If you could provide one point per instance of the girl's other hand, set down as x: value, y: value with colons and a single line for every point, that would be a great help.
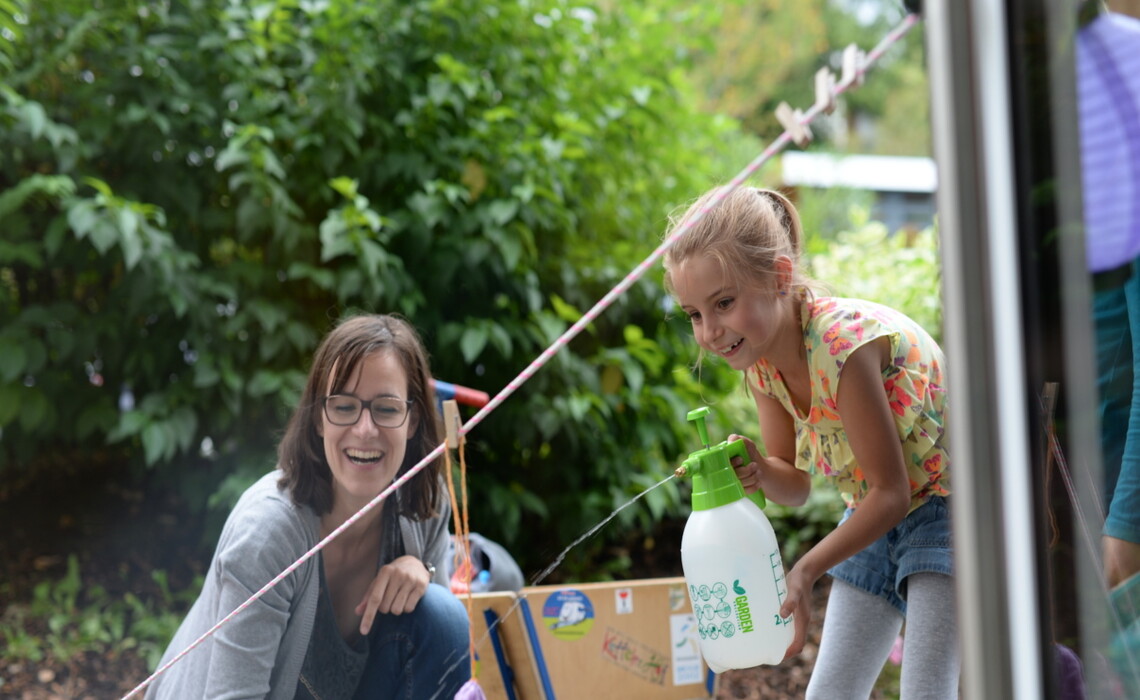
x: 798, y: 603
x: 395, y: 590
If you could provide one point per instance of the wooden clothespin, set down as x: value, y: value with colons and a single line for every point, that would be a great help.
x: 853, y: 59
x: 825, y: 90
x: 792, y: 121
x: 451, y: 423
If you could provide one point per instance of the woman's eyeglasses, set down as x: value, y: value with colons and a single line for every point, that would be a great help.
x: 387, y: 412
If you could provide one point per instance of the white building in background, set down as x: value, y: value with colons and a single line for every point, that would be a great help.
x: 904, y: 186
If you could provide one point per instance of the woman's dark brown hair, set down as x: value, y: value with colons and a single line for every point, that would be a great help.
x: 301, y: 453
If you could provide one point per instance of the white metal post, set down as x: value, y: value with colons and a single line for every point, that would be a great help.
x: 990, y: 452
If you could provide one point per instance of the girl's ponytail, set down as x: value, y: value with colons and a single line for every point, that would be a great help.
x: 789, y: 221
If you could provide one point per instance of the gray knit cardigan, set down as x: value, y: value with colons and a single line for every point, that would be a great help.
x: 258, y: 653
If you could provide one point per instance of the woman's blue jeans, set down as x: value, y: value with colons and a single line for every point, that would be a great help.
x: 419, y: 655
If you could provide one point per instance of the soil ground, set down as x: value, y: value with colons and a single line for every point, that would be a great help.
x: 121, y: 535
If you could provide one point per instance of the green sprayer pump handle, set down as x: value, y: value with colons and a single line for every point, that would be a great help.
x: 698, y: 415
x: 736, y: 448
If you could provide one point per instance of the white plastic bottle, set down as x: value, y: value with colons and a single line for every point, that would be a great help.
x: 732, y: 563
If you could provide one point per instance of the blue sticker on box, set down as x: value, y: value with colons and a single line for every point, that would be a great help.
x: 568, y: 614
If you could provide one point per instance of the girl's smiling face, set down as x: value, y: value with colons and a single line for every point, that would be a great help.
x: 363, y: 457
x: 740, y: 324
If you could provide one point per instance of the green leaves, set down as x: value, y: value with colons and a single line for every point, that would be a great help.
x: 49, y: 187
x: 109, y: 221
x: 11, y: 30
x: 899, y: 270
x: 192, y: 195
x: 162, y: 436
x: 69, y: 617
x: 352, y: 229
x: 13, y: 359
x: 9, y: 402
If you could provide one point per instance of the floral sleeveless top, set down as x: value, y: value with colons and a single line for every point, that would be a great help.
x: 833, y: 329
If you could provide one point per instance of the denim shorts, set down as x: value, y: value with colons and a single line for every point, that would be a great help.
x: 920, y: 543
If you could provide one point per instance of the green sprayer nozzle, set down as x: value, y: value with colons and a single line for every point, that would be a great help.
x: 714, y: 480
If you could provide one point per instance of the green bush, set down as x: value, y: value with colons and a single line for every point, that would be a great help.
x: 192, y: 193
x: 900, y: 270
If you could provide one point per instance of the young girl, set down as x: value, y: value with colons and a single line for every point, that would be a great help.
x: 851, y: 390
x: 371, y: 615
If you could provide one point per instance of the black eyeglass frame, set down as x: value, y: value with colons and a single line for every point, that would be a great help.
x: 366, y: 406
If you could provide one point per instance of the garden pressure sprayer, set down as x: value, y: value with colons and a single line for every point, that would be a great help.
x: 731, y: 561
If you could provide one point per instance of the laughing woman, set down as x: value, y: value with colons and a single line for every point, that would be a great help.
x: 370, y: 616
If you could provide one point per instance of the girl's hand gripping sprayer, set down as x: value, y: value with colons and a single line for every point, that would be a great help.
x: 731, y: 562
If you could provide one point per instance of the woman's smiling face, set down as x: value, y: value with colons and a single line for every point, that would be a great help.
x: 737, y: 323
x: 363, y: 457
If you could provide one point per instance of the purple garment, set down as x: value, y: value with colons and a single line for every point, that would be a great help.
x: 471, y: 690
x: 1108, y: 100
x: 1070, y: 677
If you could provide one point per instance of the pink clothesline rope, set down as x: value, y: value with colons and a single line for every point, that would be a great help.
x: 639, y: 271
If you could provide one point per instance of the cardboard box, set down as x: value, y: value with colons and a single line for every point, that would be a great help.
x: 627, y: 639
x: 505, y: 665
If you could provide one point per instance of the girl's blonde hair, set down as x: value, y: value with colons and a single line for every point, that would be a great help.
x: 744, y: 233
